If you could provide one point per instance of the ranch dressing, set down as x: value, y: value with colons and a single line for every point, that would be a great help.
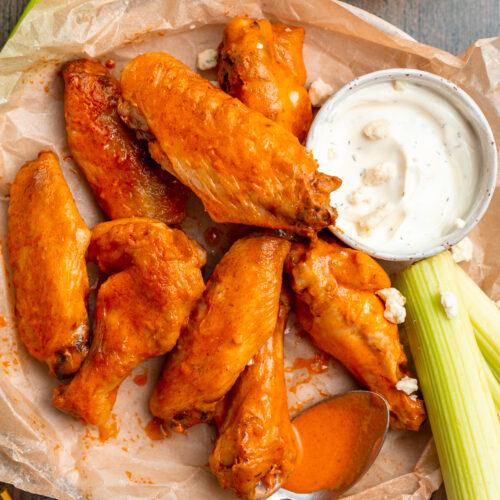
x: 408, y: 161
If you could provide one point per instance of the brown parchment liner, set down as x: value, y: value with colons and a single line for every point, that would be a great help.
x: 47, y: 452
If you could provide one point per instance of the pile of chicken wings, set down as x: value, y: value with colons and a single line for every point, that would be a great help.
x: 145, y: 144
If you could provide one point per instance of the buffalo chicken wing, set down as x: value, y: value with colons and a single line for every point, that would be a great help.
x: 229, y: 324
x: 125, y: 181
x: 261, y: 64
x: 47, y: 241
x: 244, y: 167
x: 256, y: 448
x: 155, y: 279
x: 337, y: 305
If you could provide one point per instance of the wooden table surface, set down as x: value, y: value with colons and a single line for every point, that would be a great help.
x: 451, y: 25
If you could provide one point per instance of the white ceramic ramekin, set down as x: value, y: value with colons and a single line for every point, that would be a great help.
x: 470, y: 110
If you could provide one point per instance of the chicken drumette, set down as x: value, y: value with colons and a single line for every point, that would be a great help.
x: 337, y: 305
x: 256, y: 449
x: 155, y: 279
x: 47, y: 241
x: 261, y: 64
x: 228, y: 325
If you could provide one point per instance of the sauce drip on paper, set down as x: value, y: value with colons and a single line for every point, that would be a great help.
x: 141, y: 379
x: 155, y: 430
x: 336, y: 439
x: 317, y: 364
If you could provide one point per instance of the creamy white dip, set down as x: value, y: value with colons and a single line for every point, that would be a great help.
x: 409, y: 164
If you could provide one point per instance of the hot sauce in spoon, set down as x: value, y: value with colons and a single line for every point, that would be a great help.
x: 339, y: 439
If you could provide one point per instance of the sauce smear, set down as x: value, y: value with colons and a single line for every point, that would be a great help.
x: 338, y: 438
x: 141, y: 379
x: 318, y: 364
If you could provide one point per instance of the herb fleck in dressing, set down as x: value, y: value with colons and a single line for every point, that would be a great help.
x: 408, y: 161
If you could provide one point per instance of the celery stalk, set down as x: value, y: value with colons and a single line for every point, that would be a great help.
x: 485, y: 318
x: 455, y: 388
x: 490, y: 354
x: 493, y: 385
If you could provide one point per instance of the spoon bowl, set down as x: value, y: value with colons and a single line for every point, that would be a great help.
x: 378, y: 404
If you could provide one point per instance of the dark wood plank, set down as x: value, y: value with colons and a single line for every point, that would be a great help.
x: 452, y: 25
x: 10, y: 12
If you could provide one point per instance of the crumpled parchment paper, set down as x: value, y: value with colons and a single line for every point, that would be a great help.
x: 47, y: 452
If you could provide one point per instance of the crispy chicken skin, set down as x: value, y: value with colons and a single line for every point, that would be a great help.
x: 256, y: 449
x: 261, y: 64
x: 228, y: 325
x: 47, y: 240
x: 125, y: 181
x: 155, y: 279
x: 337, y: 305
x: 244, y: 167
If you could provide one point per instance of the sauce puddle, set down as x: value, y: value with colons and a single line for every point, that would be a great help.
x: 338, y: 439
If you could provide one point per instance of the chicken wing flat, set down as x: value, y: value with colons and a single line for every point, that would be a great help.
x: 261, y: 64
x: 125, y: 181
x: 337, y: 305
x: 256, y: 449
x: 244, y: 167
x: 228, y: 325
x: 155, y: 279
x: 47, y: 240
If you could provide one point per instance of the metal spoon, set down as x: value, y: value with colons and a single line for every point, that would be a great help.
x: 371, y: 455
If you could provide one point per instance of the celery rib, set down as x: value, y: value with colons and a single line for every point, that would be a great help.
x: 485, y: 318
x: 494, y: 387
x: 489, y: 353
x: 453, y: 381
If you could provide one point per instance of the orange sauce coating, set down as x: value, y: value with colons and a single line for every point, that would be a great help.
x: 336, y: 438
